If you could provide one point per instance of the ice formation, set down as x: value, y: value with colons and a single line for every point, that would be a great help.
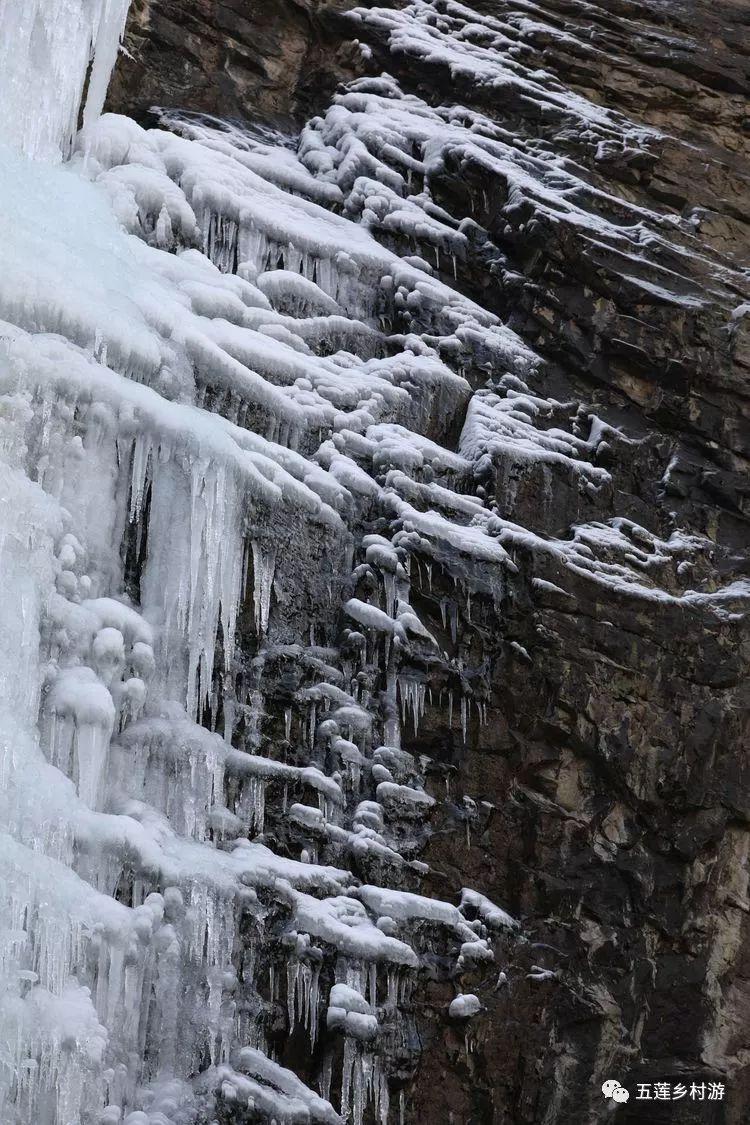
x: 227, y: 383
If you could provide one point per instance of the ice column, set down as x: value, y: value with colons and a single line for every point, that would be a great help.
x: 55, y: 41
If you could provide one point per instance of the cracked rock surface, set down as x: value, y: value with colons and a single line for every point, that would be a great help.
x: 382, y: 573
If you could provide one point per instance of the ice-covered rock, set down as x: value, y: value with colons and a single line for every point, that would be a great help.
x: 264, y: 449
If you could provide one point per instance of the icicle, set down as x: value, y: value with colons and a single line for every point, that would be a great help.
x: 389, y: 585
x: 252, y: 809
x: 313, y: 996
x: 254, y: 712
x: 412, y: 696
x: 360, y: 1084
x: 292, y: 984
x: 325, y: 1078
x: 91, y: 748
x: 392, y: 988
x: 382, y: 1099
x: 347, y: 1075
x: 194, y: 567
x: 392, y: 727
x: 328, y: 808
x: 139, y: 476
x: 230, y: 717
x: 373, y: 984
x: 264, y: 565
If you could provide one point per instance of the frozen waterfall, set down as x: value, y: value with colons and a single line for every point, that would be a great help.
x: 178, y: 357
x: 245, y: 421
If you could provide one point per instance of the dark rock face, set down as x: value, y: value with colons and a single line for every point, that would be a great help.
x: 605, y: 801
x: 259, y: 61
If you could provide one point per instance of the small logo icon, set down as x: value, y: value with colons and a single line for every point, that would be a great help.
x: 612, y: 1089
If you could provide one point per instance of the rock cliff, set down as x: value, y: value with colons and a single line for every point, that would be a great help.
x: 423, y: 768
x: 594, y: 159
